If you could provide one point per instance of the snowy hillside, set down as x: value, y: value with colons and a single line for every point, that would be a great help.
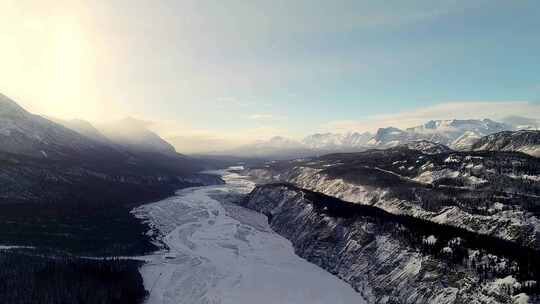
x: 44, y: 161
x: 393, y: 259
x: 492, y: 193
x: 520, y: 141
x: 427, y: 147
x: 24, y: 133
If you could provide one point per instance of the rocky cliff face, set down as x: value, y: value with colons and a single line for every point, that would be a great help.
x: 491, y: 194
x: 389, y: 259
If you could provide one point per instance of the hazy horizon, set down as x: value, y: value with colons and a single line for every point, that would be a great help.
x: 225, y: 75
x: 270, y: 151
x: 209, y: 144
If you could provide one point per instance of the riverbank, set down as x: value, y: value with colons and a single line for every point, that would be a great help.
x: 218, y: 252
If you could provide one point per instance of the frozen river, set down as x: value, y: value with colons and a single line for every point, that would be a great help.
x: 219, y: 252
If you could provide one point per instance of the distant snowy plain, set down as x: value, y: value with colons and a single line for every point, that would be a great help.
x: 220, y: 253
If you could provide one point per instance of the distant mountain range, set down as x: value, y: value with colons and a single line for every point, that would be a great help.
x: 24, y: 133
x: 455, y: 134
x: 126, y: 134
x: 331, y: 141
x: 68, y: 187
x: 56, y: 160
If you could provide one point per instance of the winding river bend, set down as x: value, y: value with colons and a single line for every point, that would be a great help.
x: 219, y: 252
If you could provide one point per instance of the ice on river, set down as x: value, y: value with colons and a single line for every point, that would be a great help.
x: 219, y: 252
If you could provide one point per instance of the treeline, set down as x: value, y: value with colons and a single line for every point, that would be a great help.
x: 82, y: 230
x: 501, y: 178
x: 30, y: 279
x: 489, y: 256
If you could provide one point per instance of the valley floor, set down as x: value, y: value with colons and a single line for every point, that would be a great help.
x: 218, y: 252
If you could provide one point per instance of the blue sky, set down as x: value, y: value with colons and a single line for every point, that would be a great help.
x: 268, y: 67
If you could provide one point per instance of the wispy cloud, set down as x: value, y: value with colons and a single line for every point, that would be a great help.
x: 448, y: 110
x: 265, y: 116
x: 231, y: 101
x: 226, y: 99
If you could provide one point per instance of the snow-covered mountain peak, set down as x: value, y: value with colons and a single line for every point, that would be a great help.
x: 389, y: 137
x: 466, y: 140
x: 459, y: 126
x: 457, y: 134
x: 322, y: 140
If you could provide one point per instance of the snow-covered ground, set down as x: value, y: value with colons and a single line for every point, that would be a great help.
x: 3, y: 247
x: 219, y: 252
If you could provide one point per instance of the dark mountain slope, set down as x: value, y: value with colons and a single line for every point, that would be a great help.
x: 394, y: 258
x: 492, y: 193
x: 68, y: 191
x: 526, y: 141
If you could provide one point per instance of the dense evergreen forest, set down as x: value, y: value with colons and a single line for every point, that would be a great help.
x: 89, y: 224
x: 51, y: 273
x: 31, y: 279
x: 86, y: 230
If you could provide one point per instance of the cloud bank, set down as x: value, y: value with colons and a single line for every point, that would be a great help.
x: 449, y: 110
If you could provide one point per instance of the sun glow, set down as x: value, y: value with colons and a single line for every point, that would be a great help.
x: 49, y: 59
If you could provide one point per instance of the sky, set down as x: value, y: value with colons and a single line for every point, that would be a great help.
x: 228, y: 72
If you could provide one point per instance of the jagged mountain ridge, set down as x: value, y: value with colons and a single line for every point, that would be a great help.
x: 458, y: 133
x: 128, y: 134
x: 526, y: 141
x: 83, y: 127
x: 390, y: 137
x: 24, y: 133
x: 455, y: 133
x: 44, y: 161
